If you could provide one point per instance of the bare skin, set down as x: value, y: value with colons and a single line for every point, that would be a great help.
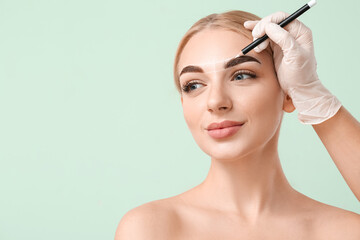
x: 341, y: 137
x: 246, y: 194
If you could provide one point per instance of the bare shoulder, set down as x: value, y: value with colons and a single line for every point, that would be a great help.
x: 152, y: 220
x: 337, y: 223
x: 344, y: 224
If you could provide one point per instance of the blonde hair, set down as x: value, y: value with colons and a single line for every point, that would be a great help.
x: 231, y: 20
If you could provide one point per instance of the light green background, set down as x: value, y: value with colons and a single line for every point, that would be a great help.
x: 91, y: 124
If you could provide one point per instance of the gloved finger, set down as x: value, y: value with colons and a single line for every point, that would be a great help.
x: 301, y: 33
x: 250, y: 24
x: 297, y: 29
x: 259, y: 29
x: 261, y: 46
x: 281, y: 37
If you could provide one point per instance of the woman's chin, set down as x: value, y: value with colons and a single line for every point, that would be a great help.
x: 229, y: 151
x: 227, y: 156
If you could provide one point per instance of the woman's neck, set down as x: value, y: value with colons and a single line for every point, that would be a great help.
x: 251, y: 187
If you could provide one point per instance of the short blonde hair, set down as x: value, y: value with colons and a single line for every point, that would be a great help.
x: 231, y: 20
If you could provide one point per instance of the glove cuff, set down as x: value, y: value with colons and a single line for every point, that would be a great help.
x: 314, y: 103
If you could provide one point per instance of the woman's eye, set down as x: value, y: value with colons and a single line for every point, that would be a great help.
x: 239, y: 75
x: 190, y: 86
x: 243, y: 75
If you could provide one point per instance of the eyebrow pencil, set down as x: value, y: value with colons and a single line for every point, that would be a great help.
x: 283, y: 23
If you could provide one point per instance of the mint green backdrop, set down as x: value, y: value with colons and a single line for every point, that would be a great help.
x: 91, y: 124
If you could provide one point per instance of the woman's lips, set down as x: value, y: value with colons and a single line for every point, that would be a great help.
x: 224, y: 132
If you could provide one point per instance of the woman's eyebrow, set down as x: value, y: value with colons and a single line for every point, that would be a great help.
x: 232, y: 62
x: 240, y: 59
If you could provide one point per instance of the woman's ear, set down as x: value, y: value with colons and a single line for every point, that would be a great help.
x: 181, y: 100
x: 288, y: 105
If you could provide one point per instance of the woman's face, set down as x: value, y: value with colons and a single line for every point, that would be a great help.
x: 246, y: 92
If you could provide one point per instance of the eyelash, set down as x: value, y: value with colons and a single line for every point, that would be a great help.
x: 186, y: 86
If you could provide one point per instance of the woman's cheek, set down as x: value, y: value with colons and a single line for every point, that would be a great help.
x: 190, y: 113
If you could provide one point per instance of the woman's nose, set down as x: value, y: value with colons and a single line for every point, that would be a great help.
x: 219, y: 99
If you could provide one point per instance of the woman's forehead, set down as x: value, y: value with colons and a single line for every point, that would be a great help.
x: 211, y: 50
x: 212, y: 64
x: 213, y: 46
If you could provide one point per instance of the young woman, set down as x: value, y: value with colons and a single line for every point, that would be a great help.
x: 233, y: 105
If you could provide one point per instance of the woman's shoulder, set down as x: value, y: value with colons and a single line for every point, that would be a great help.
x: 162, y: 218
x: 330, y: 222
x: 339, y: 223
x: 151, y: 220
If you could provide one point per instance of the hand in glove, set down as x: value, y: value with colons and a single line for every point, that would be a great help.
x: 295, y: 65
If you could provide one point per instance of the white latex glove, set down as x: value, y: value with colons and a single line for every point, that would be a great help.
x: 295, y: 65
